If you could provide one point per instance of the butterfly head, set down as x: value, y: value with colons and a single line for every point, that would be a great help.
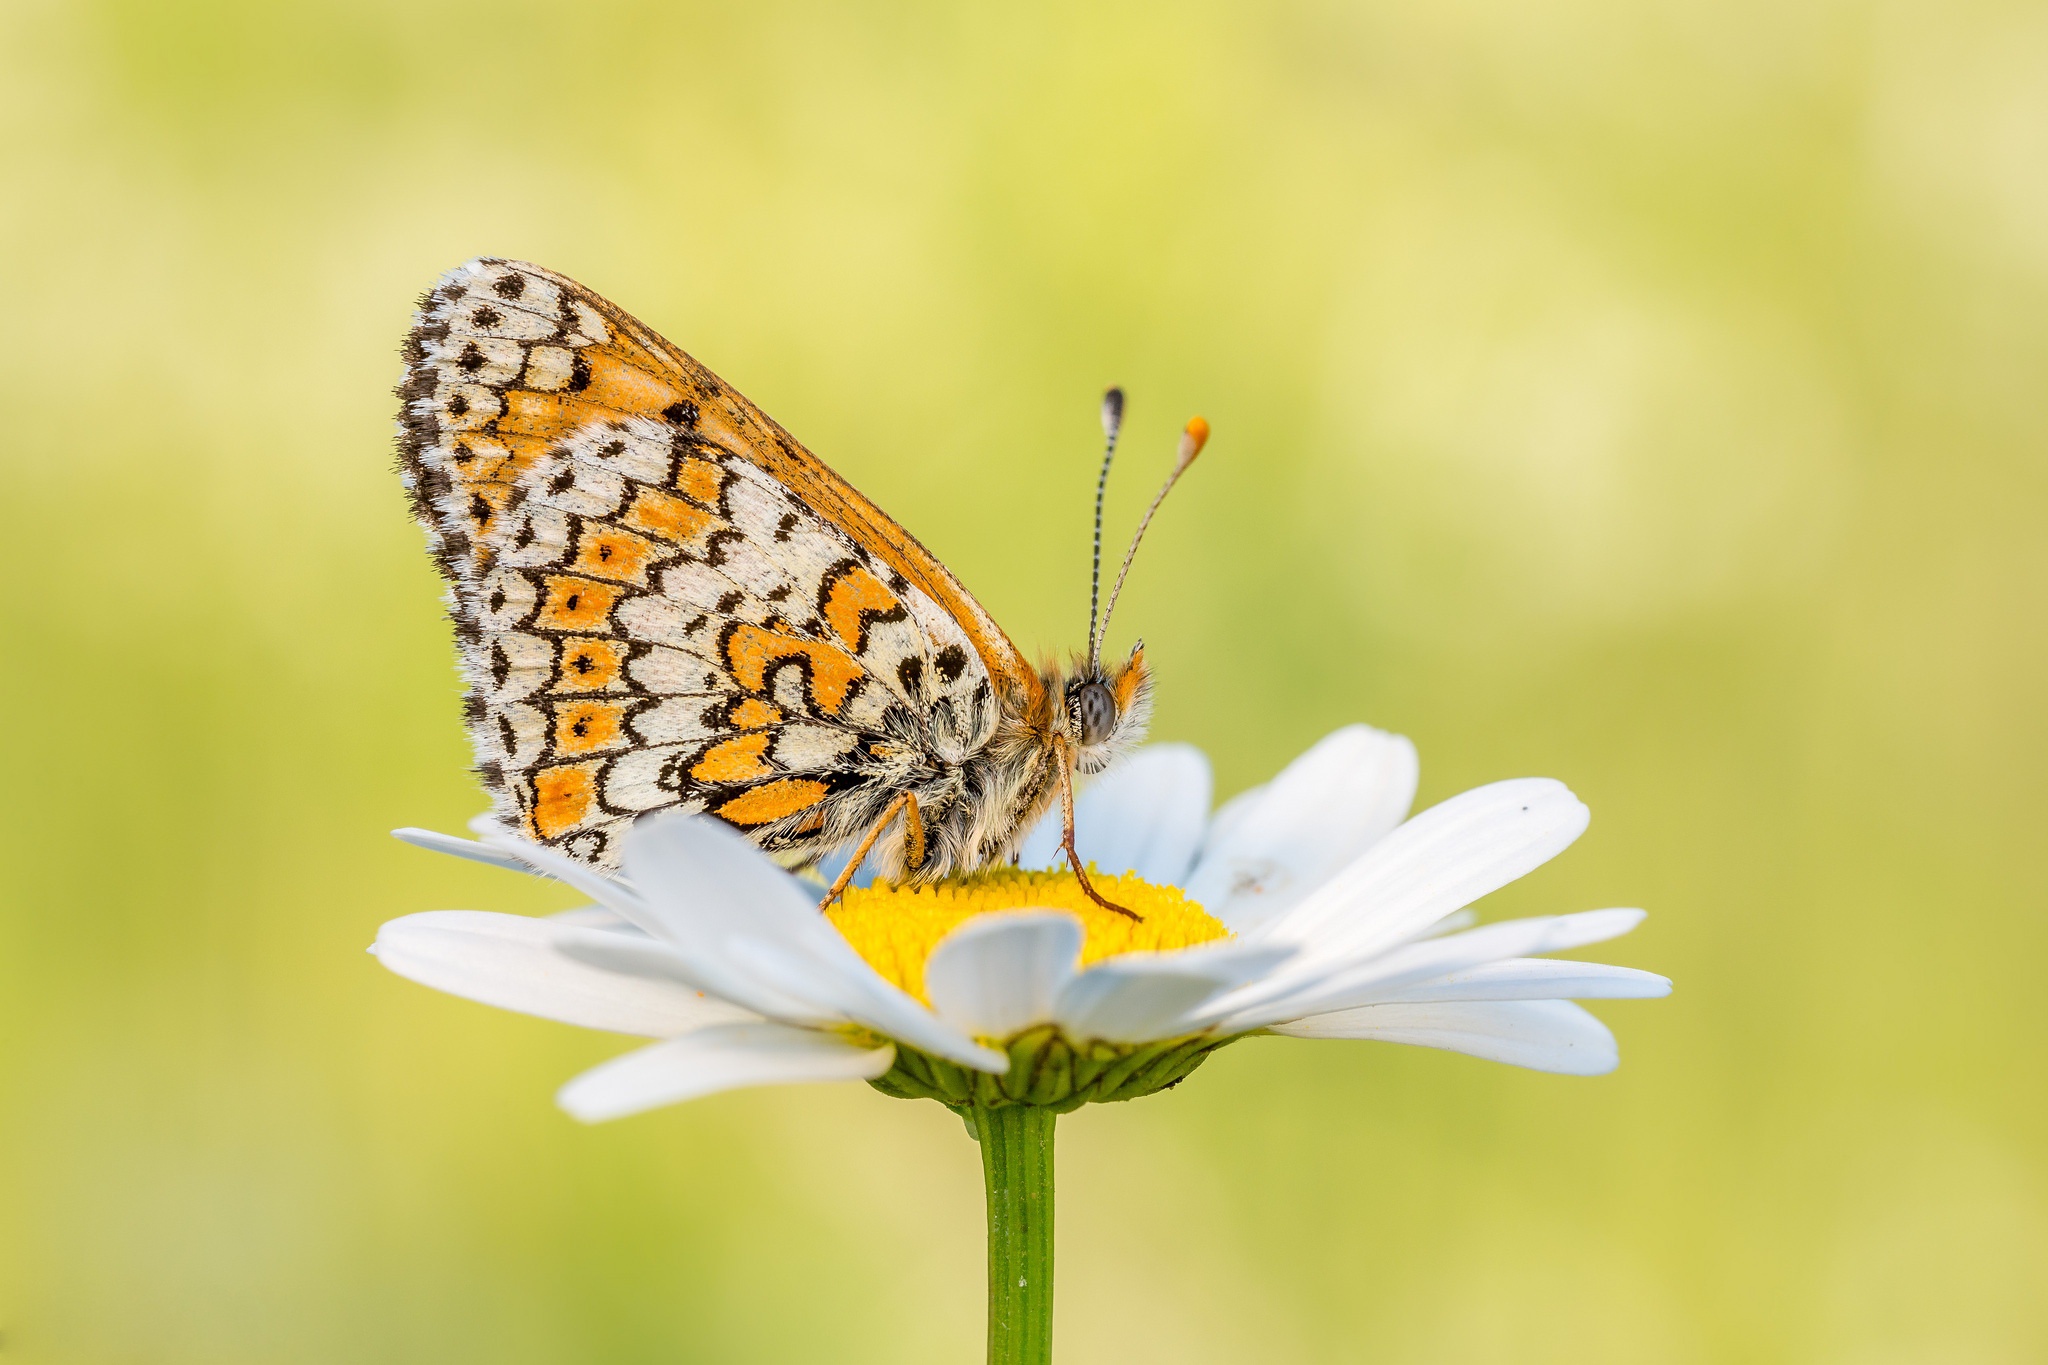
x: 1104, y: 711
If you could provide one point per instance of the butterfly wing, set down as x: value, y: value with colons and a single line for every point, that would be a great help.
x: 662, y: 600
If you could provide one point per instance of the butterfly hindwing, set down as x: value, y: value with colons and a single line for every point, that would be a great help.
x: 642, y: 647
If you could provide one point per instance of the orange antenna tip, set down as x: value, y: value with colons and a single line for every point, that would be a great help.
x: 1193, y: 439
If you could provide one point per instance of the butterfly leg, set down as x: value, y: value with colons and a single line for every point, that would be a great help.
x: 913, y: 844
x: 1062, y: 756
x: 913, y: 833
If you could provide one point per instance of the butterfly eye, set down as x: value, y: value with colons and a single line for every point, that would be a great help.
x: 1095, y: 708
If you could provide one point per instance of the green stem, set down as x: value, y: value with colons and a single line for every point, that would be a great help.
x: 1016, y: 1164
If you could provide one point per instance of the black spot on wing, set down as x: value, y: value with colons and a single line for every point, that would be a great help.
x: 714, y: 546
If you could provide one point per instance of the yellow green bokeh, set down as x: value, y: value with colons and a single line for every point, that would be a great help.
x: 1649, y: 395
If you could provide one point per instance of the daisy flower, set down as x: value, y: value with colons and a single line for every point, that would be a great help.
x: 1304, y: 907
x: 1309, y: 907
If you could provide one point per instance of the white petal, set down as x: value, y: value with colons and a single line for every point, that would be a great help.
x: 1544, y: 1035
x: 597, y: 917
x: 614, y: 893
x: 435, y: 841
x: 724, y: 1057
x: 1224, y: 823
x: 1539, y: 978
x: 1145, y: 815
x: 1441, y: 861
x: 723, y: 906
x: 1125, y: 1007
x: 635, y: 954
x: 501, y: 846
x: 1142, y: 997
x: 1384, y: 976
x: 855, y: 992
x: 1000, y: 973
x: 708, y: 962
x: 1322, y: 811
x: 514, y: 962
x: 1452, y: 923
x: 724, y: 903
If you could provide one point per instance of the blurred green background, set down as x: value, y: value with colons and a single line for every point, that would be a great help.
x: 1647, y: 393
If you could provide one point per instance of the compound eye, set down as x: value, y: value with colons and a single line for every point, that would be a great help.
x: 1095, y: 705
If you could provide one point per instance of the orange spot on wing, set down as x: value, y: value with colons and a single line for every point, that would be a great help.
x: 613, y: 554
x: 587, y: 726
x: 590, y: 665
x: 773, y: 801
x: 575, y: 604
x: 752, y: 713
x: 563, y: 797
x: 670, y: 518
x: 544, y: 418
x: 733, y: 760
x: 700, y: 481
x: 478, y: 459
x: 620, y: 381
x: 752, y: 650
x: 853, y: 593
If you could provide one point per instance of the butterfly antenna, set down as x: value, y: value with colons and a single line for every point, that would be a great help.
x: 1192, y: 440
x: 1112, y: 423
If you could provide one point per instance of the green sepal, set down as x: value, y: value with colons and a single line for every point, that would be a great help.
x: 1047, y: 1071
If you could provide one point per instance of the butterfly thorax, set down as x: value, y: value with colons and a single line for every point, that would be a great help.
x: 978, y: 813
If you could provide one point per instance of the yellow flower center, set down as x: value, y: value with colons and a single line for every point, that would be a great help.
x: 896, y: 927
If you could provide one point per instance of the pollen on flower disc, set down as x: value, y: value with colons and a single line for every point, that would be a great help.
x: 895, y: 928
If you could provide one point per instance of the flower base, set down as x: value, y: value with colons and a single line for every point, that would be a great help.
x: 1049, y: 1072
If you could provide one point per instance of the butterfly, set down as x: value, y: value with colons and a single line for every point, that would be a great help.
x: 662, y: 601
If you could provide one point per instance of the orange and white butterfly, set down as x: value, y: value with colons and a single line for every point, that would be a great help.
x: 664, y: 602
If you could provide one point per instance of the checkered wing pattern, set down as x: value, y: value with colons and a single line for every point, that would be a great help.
x: 663, y: 602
